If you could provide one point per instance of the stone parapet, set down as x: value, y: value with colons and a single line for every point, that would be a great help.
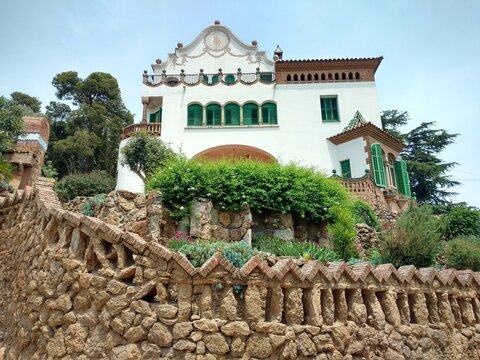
x: 74, y: 286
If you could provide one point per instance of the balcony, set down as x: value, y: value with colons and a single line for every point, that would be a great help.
x: 150, y: 128
x: 359, y: 185
x: 209, y: 79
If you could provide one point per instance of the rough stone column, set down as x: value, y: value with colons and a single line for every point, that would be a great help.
x: 341, y: 309
x: 420, y: 307
x: 294, y: 306
x: 184, y: 302
x: 313, y: 305
x: 206, y: 302
x: 154, y: 216
x: 457, y: 315
x: 328, y: 307
x: 466, y: 310
x: 228, y: 307
x: 388, y: 301
x: 476, y: 309
x: 357, y: 311
x: 403, y: 308
x: 445, y: 310
x: 432, y: 306
x: 275, y: 308
x: 255, y: 300
x: 376, y: 317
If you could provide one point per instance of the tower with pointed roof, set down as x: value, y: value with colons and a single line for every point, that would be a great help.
x: 219, y: 96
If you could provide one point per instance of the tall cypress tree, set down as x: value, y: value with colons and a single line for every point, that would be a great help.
x: 429, y: 177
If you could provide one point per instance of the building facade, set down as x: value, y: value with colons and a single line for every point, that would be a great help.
x: 29, y: 152
x: 219, y: 96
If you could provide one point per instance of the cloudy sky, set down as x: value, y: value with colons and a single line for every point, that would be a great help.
x: 431, y: 50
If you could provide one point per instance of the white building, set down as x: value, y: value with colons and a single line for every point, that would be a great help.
x: 219, y: 96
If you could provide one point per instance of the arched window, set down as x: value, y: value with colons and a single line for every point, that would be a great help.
x: 195, y: 115
x: 309, y: 77
x: 357, y: 76
x: 315, y: 77
x: 295, y: 77
x: 344, y: 76
x: 232, y: 114
x: 350, y: 76
x: 229, y: 79
x: 156, y: 117
x: 302, y: 77
x: 323, y: 76
x: 336, y: 76
x: 269, y: 113
x: 391, y: 170
x: 329, y: 76
x: 289, y: 77
x: 250, y: 114
x: 214, y: 115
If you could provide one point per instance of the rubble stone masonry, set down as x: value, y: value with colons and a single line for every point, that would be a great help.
x: 75, y: 287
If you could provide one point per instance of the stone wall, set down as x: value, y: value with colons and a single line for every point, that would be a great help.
x: 75, y: 287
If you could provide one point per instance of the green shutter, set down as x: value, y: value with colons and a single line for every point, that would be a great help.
x: 195, y: 115
x: 329, y: 109
x: 269, y: 113
x: 232, y: 114
x: 377, y: 165
x: 250, y: 114
x: 345, y: 167
x: 153, y: 117
x: 205, y: 79
x: 214, y: 79
x: 403, y: 180
x: 214, y: 117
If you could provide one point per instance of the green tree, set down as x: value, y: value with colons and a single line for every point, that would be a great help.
x: 144, y: 154
x: 32, y: 104
x: 429, y: 174
x: 11, y: 123
x: 76, y: 153
x: 99, y: 114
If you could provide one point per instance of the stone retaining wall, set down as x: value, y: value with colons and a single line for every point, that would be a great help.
x: 75, y: 287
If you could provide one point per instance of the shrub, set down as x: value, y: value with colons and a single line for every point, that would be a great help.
x: 91, y: 202
x: 363, y: 214
x: 343, y: 233
x: 237, y: 253
x: 463, y: 253
x: 307, y: 250
x: 231, y: 183
x: 461, y: 221
x: 413, y: 240
x: 91, y: 184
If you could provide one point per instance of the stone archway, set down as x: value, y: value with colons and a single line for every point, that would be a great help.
x: 236, y: 151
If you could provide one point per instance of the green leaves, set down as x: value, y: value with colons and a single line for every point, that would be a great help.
x: 100, y: 112
x: 424, y: 143
x: 11, y: 123
x: 144, y: 153
x: 232, y: 184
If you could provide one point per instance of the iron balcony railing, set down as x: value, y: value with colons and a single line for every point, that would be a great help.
x: 209, y: 79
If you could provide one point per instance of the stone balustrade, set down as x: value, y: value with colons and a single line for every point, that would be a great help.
x: 76, y: 287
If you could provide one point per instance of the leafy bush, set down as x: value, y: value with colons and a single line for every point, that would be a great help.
x: 463, y: 253
x: 343, y: 233
x: 198, y: 252
x: 231, y: 183
x: 461, y: 221
x: 413, y: 240
x: 144, y: 153
x: 49, y: 171
x: 363, y: 214
x: 91, y: 202
x: 91, y: 184
x: 307, y: 250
